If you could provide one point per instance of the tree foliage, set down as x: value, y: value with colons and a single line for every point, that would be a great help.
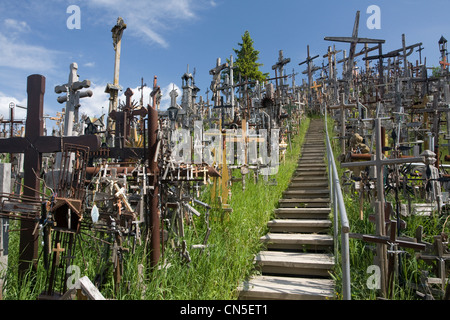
x: 247, y: 61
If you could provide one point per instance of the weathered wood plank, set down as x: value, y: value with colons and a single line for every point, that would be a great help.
x: 287, y: 288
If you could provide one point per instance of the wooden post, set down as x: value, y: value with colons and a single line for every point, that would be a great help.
x: 153, y: 197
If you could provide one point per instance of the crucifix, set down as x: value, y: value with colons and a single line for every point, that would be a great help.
x: 380, y: 163
x: 215, y: 72
x: 113, y: 89
x: 33, y: 145
x: 141, y: 89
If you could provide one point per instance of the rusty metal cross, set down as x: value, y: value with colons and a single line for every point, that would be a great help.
x: 33, y: 145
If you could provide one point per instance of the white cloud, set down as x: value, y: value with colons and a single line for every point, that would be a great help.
x: 89, y: 64
x: 19, y: 113
x: 151, y: 19
x: 19, y: 55
x: 15, y: 26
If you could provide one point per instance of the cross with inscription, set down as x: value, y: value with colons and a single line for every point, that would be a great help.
x: 33, y: 145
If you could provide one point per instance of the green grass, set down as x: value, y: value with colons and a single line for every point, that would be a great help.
x: 212, y: 274
x: 362, y: 253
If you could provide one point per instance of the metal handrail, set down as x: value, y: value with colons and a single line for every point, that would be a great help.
x: 341, y: 219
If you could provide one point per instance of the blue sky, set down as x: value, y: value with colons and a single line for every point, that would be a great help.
x: 164, y: 37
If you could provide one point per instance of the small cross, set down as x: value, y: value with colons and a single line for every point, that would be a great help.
x: 5, y: 225
x: 444, y: 63
x: 58, y: 251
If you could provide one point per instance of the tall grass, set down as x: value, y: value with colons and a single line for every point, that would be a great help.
x: 362, y: 253
x: 213, y: 273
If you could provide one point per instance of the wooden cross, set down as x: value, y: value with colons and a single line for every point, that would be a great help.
x: 420, y: 53
x: 343, y: 107
x: 279, y: 66
x: 33, y: 145
x: 394, y: 243
x: 444, y: 63
x: 309, y: 61
x: 353, y: 40
x: 436, y: 110
x: 316, y: 86
x: 440, y: 255
x: 215, y: 72
x: 379, y: 163
x: 331, y: 55
x: 58, y: 250
x: 141, y: 89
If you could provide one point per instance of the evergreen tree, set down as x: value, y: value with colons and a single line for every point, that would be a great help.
x: 246, y: 61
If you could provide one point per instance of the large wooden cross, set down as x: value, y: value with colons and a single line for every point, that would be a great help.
x: 279, y: 66
x: 353, y: 40
x: 394, y: 243
x: 379, y: 163
x: 309, y: 61
x: 33, y: 145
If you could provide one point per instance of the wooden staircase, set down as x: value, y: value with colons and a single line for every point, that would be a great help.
x: 298, y: 255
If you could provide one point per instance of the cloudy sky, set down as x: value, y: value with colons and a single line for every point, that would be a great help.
x: 166, y: 37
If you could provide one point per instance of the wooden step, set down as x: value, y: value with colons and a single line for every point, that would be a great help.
x: 299, y: 225
x: 286, y: 288
x: 308, y: 161
x: 311, y: 168
x: 295, y: 263
x: 302, y: 202
x: 296, y: 184
x: 302, y: 213
x: 290, y: 193
x: 302, y: 178
x: 310, y: 151
x: 297, y: 241
x: 315, y: 173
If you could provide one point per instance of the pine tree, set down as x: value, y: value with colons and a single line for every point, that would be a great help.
x: 246, y: 61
